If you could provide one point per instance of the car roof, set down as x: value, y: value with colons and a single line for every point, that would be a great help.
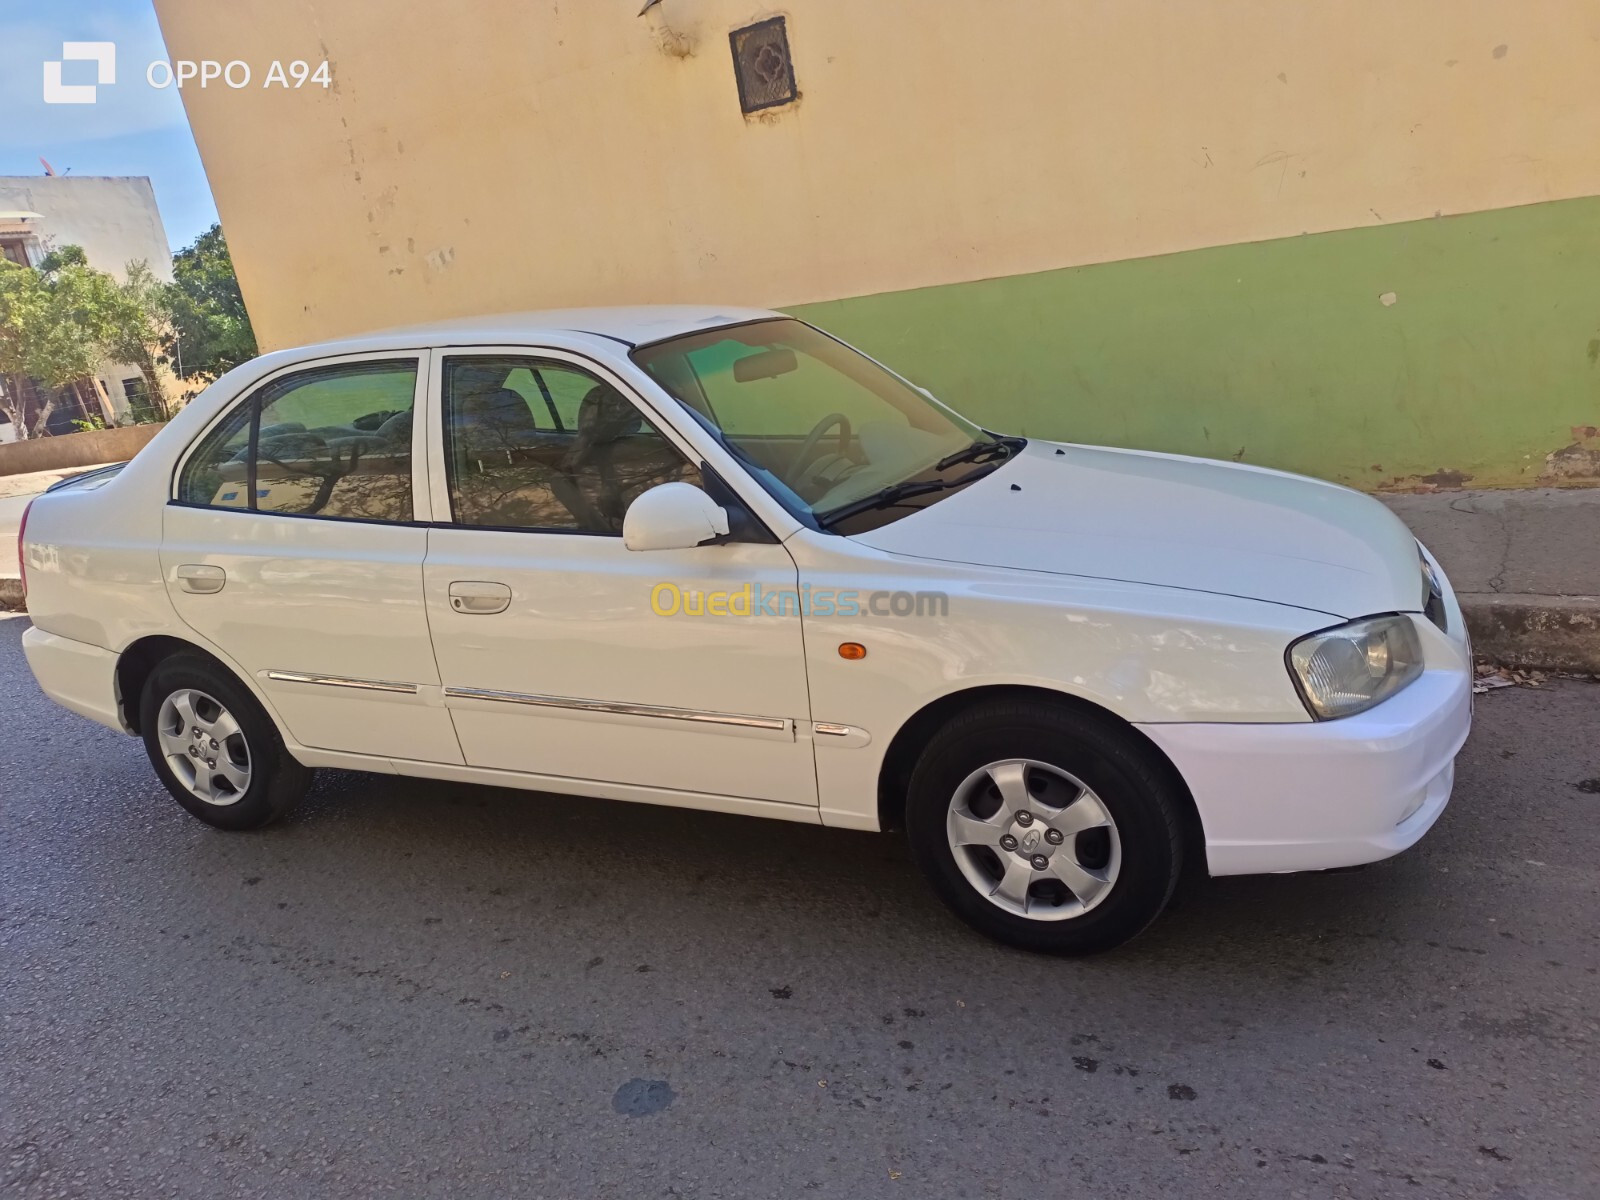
x: 635, y: 326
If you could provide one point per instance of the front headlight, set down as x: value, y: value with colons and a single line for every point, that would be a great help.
x: 1350, y: 668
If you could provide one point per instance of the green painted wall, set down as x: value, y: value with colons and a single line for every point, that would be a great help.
x: 1283, y: 352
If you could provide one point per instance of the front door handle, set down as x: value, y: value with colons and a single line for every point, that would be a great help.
x: 203, y: 579
x: 478, y: 598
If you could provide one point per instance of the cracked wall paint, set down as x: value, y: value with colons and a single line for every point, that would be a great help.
x: 1577, y: 462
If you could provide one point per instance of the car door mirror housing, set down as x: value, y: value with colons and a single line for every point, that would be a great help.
x: 673, y: 516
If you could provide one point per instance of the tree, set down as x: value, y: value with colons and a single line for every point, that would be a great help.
x: 61, y: 321
x: 57, y: 323
x: 211, y: 331
x: 141, y: 321
x: 21, y: 300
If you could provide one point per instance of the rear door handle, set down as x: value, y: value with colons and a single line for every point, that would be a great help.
x: 479, y: 598
x: 201, y: 578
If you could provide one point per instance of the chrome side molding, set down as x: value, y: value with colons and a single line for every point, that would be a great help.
x: 832, y: 733
x: 780, y: 724
x: 365, y: 685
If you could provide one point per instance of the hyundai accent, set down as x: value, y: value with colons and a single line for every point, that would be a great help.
x: 717, y: 559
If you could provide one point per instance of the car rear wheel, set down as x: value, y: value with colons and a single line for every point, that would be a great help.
x: 215, y: 748
x: 1046, y: 828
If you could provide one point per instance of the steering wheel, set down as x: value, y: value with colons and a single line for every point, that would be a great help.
x: 808, y: 448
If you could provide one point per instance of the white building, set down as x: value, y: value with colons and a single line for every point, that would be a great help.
x: 115, y: 220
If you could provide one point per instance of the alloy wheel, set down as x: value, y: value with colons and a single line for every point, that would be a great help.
x: 204, y: 746
x: 1033, y: 839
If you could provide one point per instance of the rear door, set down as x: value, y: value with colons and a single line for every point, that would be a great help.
x: 292, y: 543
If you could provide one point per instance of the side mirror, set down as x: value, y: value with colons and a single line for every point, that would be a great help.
x: 672, y: 516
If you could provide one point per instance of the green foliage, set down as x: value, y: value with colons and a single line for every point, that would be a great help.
x: 67, y: 256
x: 21, y: 300
x: 60, y: 321
x: 141, y: 321
x: 24, y: 313
x: 211, y: 331
x: 56, y: 323
x: 81, y: 315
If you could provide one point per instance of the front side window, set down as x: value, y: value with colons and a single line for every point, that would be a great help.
x: 542, y: 445
x: 820, y: 426
x: 328, y: 442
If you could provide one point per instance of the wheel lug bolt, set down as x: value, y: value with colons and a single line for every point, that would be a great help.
x: 1053, y: 836
x: 194, y: 752
x: 1008, y: 842
x: 1040, y: 862
x: 195, y: 730
x: 211, y: 762
x: 1024, y: 818
x: 214, y: 746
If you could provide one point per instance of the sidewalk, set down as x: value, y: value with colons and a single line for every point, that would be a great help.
x: 1525, y: 563
x: 1526, y: 566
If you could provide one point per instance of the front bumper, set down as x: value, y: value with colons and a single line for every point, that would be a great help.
x: 1311, y: 796
x: 75, y: 675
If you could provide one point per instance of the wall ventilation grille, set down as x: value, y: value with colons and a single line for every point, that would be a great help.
x: 762, y: 65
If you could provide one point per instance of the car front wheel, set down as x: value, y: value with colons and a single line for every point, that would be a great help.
x: 215, y: 748
x: 1046, y: 828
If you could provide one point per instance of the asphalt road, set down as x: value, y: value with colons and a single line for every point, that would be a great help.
x: 419, y: 989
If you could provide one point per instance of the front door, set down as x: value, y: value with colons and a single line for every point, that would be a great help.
x: 561, y: 652
x: 291, y: 545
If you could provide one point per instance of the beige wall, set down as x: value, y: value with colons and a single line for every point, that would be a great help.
x: 114, y: 218
x: 501, y: 154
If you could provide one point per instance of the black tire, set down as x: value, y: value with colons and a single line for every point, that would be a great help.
x: 276, y: 781
x: 1137, y: 790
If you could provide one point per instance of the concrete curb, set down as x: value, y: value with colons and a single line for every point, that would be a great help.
x: 1545, y: 633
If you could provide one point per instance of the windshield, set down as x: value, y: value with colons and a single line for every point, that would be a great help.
x: 818, y: 424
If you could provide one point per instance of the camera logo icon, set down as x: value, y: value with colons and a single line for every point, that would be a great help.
x: 102, y: 54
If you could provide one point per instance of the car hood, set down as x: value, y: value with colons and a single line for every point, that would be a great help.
x: 1172, y: 521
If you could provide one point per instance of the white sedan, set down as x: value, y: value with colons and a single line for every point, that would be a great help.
x: 717, y: 559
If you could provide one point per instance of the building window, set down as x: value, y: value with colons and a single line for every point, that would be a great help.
x: 14, y: 250
x: 141, y: 406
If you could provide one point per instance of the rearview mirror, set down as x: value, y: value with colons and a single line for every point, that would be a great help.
x: 673, y: 516
x: 768, y: 364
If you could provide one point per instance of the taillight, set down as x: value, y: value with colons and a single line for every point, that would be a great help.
x: 22, y: 558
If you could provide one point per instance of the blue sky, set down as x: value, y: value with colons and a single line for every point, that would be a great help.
x: 132, y: 129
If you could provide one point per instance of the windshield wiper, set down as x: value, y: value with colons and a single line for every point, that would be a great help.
x: 978, y: 451
x: 896, y: 493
